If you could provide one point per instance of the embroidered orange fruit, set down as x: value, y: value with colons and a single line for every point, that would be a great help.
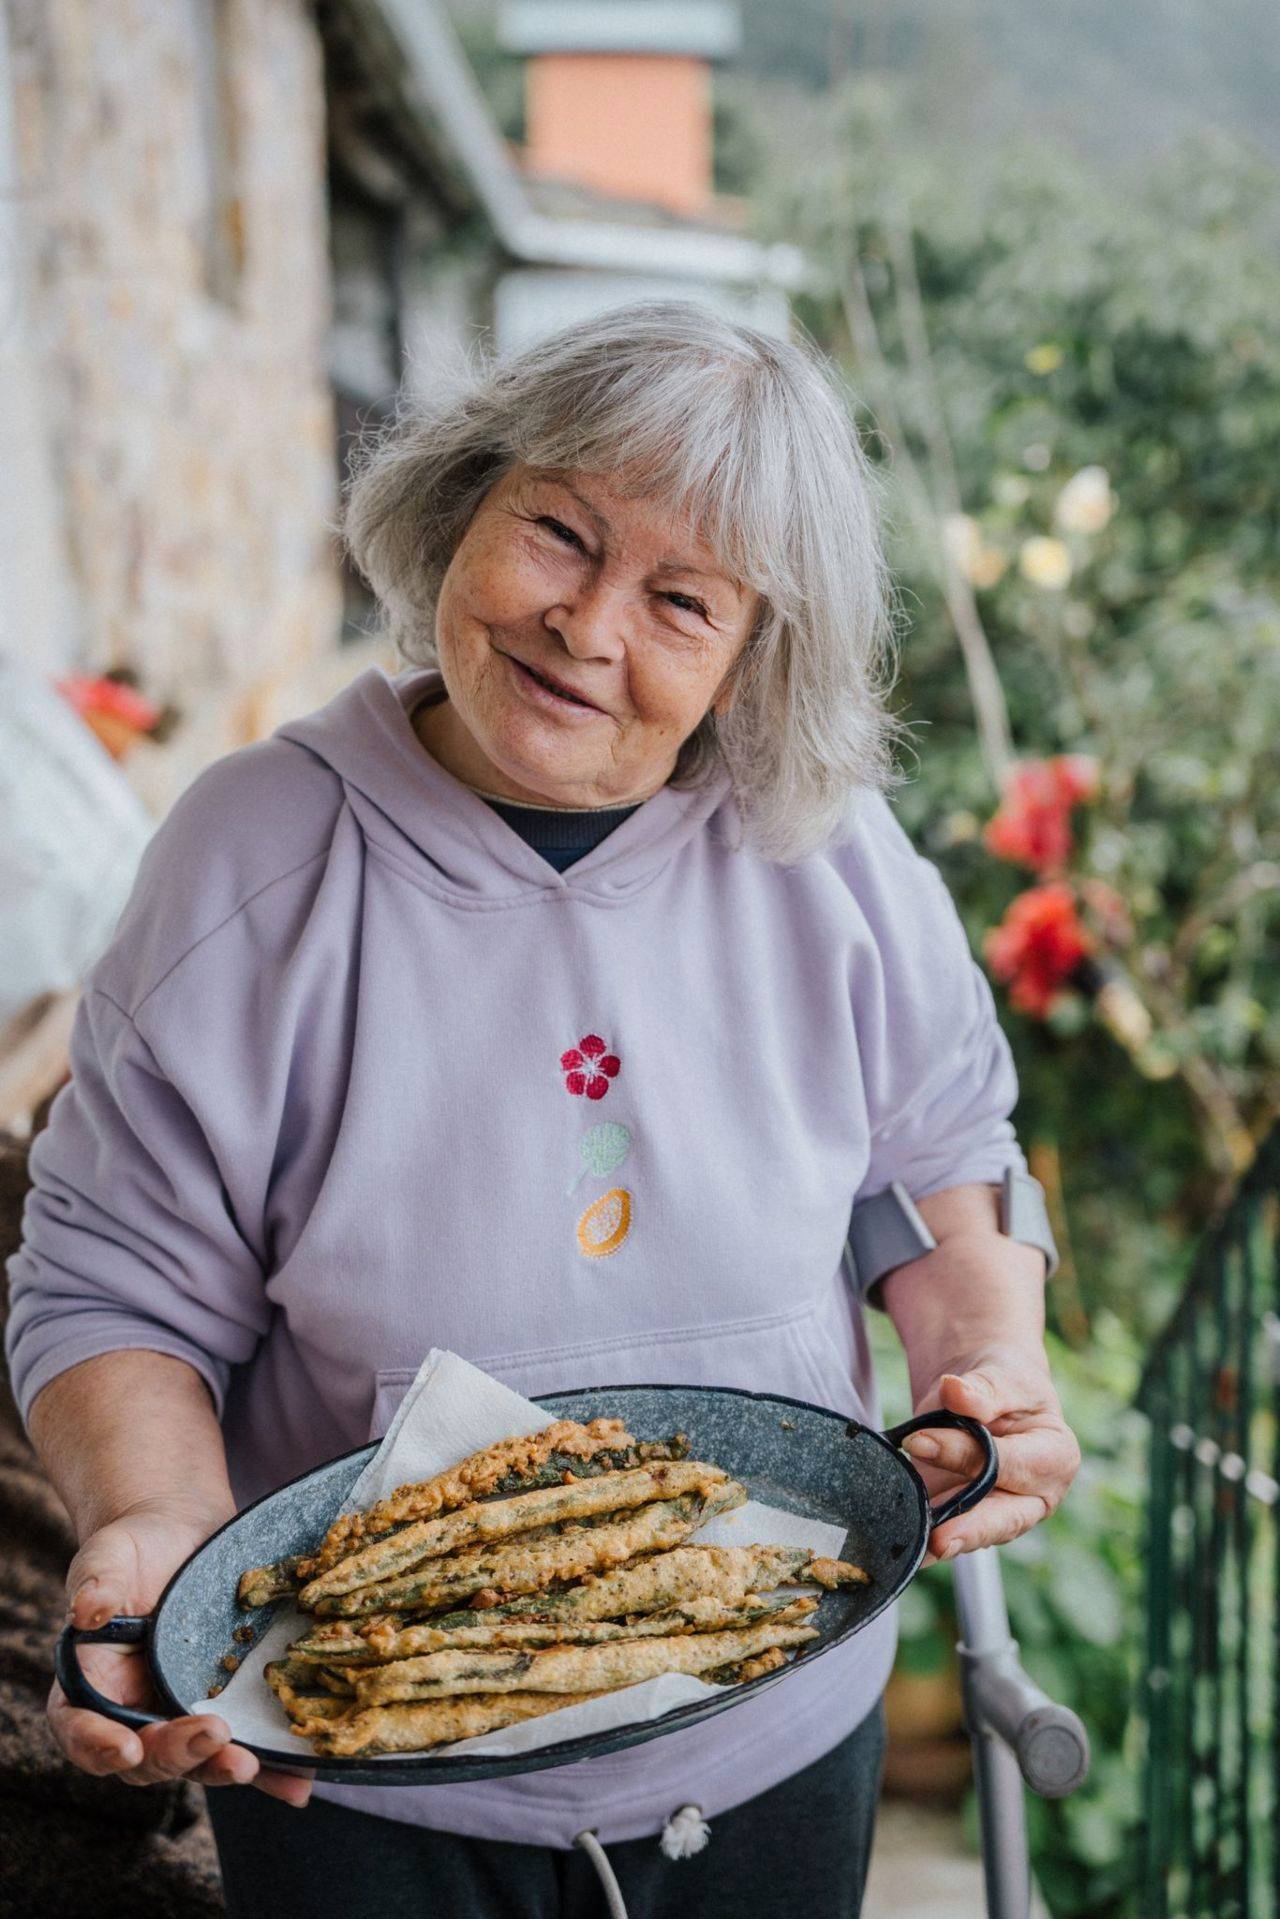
x: 606, y: 1223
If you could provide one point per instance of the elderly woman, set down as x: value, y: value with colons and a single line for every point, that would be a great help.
x: 614, y: 847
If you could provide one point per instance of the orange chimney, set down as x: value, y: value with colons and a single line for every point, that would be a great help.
x: 618, y: 97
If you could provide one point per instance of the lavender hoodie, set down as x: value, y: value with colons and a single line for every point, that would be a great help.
x: 336, y: 1074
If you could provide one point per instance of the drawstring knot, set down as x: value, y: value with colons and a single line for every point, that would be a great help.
x: 685, y: 1833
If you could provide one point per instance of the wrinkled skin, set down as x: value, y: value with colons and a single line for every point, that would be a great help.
x: 581, y: 594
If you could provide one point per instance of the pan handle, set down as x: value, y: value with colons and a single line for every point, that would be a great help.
x: 980, y: 1485
x: 121, y: 1631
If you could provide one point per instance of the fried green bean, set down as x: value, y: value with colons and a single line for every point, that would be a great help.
x: 482, y: 1630
x: 489, y: 1470
x: 352, y: 1651
x: 739, y: 1673
x: 572, y: 1669
x: 529, y: 1563
x: 555, y: 1470
x: 333, y: 1679
x: 261, y: 1584
x: 482, y: 1521
x: 654, y: 1583
x: 836, y: 1572
x: 305, y: 1703
x: 415, y: 1728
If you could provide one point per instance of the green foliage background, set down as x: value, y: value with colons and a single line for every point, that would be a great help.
x: 1075, y: 325
x: 1161, y: 658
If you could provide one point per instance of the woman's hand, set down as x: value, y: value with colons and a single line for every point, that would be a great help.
x: 123, y: 1568
x: 1009, y: 1389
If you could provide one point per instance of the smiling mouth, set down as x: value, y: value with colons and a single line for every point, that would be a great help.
x: 561, y: 692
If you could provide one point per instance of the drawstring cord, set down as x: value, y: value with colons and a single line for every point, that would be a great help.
x: 600, y: 1860
x: 685, y: 1833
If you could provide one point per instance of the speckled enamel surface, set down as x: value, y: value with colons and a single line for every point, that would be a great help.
x: 801, y: 1458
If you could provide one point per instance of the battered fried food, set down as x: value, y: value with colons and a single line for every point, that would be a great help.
x: 428, y: 1539
x: 569, y: 1669
x: 539, y: 1572
x: 531, y: 1562
x: 748, y: 1668
x: 659, y: 1581
x: 303, y: 1700
x: 481, y: 1472
x: 471, y: 1629
x: 416, y: 1728
x: 261, y: 1584
x: 837, y: 1572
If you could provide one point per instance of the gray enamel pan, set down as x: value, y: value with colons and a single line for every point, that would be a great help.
x: 802, y: 1458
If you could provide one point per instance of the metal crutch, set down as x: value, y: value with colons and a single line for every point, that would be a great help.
x: 1017, y: 1732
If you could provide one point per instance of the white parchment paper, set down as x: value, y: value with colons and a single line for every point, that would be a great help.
x: 450, y: 1410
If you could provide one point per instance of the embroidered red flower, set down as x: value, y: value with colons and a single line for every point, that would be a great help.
x: 589, y: 1066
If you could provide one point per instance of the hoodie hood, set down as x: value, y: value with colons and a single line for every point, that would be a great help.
x: 411, y: 805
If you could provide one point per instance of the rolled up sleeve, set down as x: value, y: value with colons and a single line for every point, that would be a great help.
x: 129, y: 1237
x: 938, y: 1072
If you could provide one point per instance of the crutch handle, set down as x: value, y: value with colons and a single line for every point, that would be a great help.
x: 1049, y: 1742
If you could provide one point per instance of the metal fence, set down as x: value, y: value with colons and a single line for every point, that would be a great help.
x: 1211, y: 1693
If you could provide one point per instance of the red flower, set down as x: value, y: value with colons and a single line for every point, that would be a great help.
x: 1033, y: 824
x: 1038, y: 946
x: 112, y: 697
x: 588, y: 1068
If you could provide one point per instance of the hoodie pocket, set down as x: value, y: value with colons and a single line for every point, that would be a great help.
x: 790, y: 1353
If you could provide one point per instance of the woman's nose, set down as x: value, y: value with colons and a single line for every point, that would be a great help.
x: 593, y: 624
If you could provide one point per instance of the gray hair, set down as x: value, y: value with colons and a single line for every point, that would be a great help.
x: 745, y: 437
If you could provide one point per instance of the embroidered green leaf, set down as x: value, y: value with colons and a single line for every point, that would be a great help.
x: 601, y: 1148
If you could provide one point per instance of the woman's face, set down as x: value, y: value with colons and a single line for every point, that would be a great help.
x: 559, y: 577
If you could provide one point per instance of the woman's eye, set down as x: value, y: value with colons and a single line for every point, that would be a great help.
x: 685, y: 604
x: 562, y: 532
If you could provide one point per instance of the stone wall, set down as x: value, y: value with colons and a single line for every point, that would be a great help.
x: 174, y: 298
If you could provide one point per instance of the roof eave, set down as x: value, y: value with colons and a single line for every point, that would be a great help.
x: 433, y: 79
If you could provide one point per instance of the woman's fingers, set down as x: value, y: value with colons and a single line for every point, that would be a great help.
x: 998, y: 1518
x: 141, y: 1757
x: 1043, y: 1460
x: 96, y: 1744
x: 176, y: 1748
x: 227, y: 1768
x: 89, y: 1739
x: 196, y: 1747
x: 285, y: 1786
x: 1039, y: 1455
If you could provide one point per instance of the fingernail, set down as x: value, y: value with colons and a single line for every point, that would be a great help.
x: 80, y: 1594
x: 920, y: 1446
x: 206, y: 1743
x: 952, y: 1550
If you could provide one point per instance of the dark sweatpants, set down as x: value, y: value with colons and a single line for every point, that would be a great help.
x: 800, y: 1848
